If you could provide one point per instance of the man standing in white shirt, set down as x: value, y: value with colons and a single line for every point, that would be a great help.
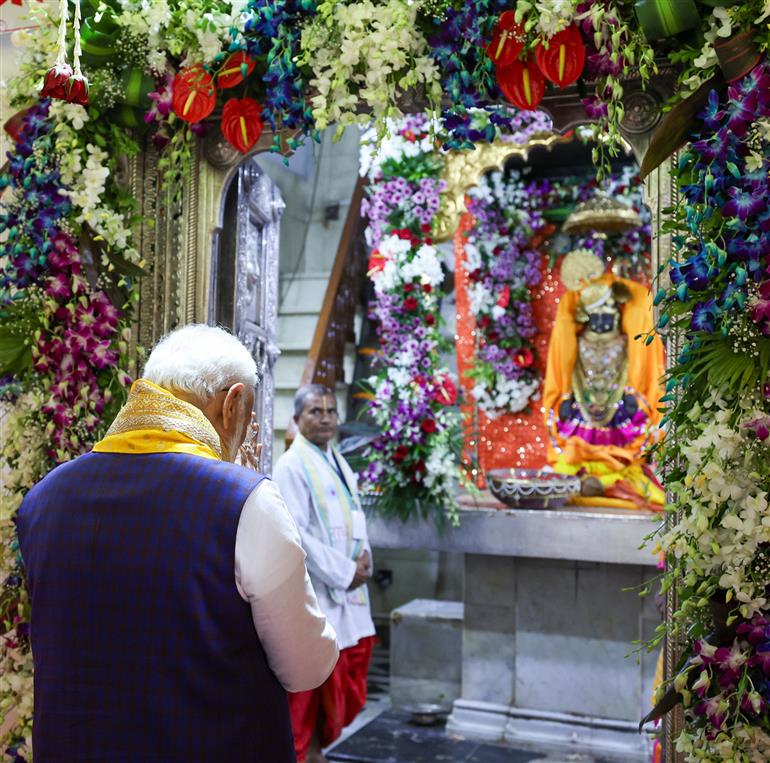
x: 321, y: 491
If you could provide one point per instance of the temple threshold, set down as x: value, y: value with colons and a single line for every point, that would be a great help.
x: 548, y: 626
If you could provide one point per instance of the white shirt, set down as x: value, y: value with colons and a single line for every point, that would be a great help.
x: 270, y: 573
x: 329, y: 567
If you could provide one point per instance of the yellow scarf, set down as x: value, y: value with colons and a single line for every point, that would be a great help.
x: 153, y: 420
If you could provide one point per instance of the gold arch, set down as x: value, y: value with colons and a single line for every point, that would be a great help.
x: 463, y: 171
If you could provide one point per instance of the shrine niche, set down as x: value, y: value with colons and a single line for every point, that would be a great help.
x: 505, y: 329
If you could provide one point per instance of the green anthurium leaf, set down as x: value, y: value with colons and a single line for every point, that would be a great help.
x: 15, y: 355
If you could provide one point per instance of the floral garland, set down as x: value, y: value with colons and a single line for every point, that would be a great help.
x: 504, y: 260
x: 66, y: 289
x: 717, y: 465
x: 413, y: 462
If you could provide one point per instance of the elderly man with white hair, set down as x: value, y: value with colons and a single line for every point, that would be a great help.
x: 171, y: 606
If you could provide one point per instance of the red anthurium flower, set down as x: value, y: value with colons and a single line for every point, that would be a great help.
x: 446, y: 391
x: 428, y: 426
x: 410, y: 303
x: 194, y: 95
x: 55, y: 82
x: 508, y: 40
x: 562, y: 62
x: 376, y: 263
x: 242, y: 123
x: 77, y: 90
x: 524, y: 358
x: 505, y: 297
x: 236, y: 68
x: 522, y: 83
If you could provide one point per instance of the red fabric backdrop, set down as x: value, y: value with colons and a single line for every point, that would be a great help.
x: 512, y: 440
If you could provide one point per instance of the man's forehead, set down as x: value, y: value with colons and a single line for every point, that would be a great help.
x: 320, y: 401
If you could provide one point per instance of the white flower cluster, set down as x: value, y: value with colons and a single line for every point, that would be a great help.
x: 724, y: 506
x: 505, y: 395
x: 744, y: 744
x: 367, y: 54
x: 552, y: 15
x: 84, y: 172
x: 401, y: 267
x: 395, y: 145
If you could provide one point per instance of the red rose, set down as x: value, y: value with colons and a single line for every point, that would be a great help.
x: 430, y: 319
x: 400, y: 453
x: 408, y: 287
x: 427, y: 288
x: 428, y: 426
x: 524, y: 358
x: 55, y: 82
x: 429, y: 241
x: 420, y: 379
x: 76, y: 90
x: 425, y: 227
x: 446, y: 391
x: 410, y: 303
x: 493, y: 336
x: 484, y: 322
x: 419, y: 470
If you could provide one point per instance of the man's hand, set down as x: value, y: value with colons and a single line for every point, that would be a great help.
x: 251, y: 451
x: 363, y: 571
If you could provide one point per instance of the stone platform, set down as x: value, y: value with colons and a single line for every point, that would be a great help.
x: 548, y: 626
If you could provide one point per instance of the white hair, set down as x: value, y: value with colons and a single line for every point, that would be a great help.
x: 200, y: 360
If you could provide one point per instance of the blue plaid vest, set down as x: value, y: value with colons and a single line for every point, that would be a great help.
x: 144, y: 650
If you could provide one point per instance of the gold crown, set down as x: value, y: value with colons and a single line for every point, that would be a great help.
x: 579, y: 268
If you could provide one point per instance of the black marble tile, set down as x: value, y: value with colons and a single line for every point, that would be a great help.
x: 487, y: 753
x: 390, y: 738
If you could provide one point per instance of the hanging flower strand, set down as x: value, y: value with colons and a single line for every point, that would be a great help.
x: 62, y: 81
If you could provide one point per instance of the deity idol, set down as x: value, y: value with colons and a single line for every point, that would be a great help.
x: 602, y: 390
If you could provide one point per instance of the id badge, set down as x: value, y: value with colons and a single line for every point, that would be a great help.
x: 359, y: 525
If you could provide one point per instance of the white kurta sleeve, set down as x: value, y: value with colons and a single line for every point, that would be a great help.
x: 324, y: 562
x: 270, y: 574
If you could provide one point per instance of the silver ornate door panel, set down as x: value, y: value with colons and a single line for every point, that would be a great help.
x: 244, y: 280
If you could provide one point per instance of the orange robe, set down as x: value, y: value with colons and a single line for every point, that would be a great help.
x: 645, y: 368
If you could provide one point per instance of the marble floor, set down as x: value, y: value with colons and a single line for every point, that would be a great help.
x: 383, y: 734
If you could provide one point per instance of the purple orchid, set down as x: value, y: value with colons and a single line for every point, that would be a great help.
x: 744, y: 203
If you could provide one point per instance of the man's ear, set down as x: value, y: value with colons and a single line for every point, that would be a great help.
x: 231, y: 404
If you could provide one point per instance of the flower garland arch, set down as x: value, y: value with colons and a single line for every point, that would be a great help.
x: 69, y: 269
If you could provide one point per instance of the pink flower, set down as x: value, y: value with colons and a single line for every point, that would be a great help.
x: 102, y: 356
x: 58, y: 287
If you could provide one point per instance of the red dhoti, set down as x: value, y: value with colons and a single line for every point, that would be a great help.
x: 334, y: 704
